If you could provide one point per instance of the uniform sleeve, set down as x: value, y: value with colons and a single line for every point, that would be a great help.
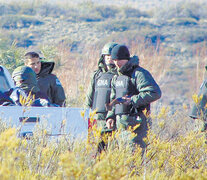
x: 16, y: 94
x: 58, y: 94
x: 149, y: 90
x: 199, y: 109
x: 90, y: 92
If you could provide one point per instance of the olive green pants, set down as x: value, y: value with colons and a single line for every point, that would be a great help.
x: 124, y: 122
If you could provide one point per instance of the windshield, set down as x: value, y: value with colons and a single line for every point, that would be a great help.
x: 4, y: 84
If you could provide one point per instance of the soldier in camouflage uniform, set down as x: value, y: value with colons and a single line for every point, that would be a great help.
x: 137, y: 89
x: 100, y: 87
x: 199, y: 111
x: 47, y: 82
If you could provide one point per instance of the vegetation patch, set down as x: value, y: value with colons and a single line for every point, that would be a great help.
x: 182, y: 21
x: 18, y: 21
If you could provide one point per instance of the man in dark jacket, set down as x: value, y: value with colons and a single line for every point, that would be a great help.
x: 136, y: 88
x: 47, y: 82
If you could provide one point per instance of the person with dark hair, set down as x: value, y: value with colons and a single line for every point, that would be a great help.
x: 47, y: 82
x: 133, y: 89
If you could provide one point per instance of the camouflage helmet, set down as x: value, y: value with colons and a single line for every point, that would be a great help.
x: 108, y: 48
x: 25, y: 78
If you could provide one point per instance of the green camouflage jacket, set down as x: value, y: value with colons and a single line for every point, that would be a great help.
x: 91, y: 89
x: 148, y: 89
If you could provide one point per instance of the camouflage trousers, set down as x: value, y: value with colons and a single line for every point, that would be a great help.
x: 105, y: 132
x: 101, y: 124
x: 204, y: 130
x: 127, y: 125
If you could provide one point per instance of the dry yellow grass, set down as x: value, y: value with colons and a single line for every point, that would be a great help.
x: 183, y: 156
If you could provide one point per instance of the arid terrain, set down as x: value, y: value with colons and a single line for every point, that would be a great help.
x: 73, y: 33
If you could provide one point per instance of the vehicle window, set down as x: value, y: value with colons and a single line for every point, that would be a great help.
x: 4, y: 85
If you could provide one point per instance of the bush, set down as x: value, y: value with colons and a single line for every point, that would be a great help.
x: 12, y: 57
x: 194, y: 11
x: 18, y: 21
x: 88, y: 17
x: 23, y: 39
x: 8, y: 9
x: 135, y: 13
x: 154, y: 37
x: 50, y: 10
x: 114, y: 25
x: 50, y: 53
x: 28, y: 9
x: 119, y: 25
x: 106, y: 11
x: 192, y: 36
x: 182, y: 21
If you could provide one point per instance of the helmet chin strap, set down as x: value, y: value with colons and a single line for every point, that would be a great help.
x: 110, y: 65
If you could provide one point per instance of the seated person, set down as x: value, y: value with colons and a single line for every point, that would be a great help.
x: 26, y: 92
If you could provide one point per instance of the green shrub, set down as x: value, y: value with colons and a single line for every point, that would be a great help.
x: 88, y: 17
x: 12, y: 57
x: 154, y: 37
x: 32, y: 8
x: 28, y: 9
x: 115, y: 25
x: 182, y: 21
x: 106, y: 11
x: 120, y: 25
x: 51, y: 10
x: 50, y: 53
x: 18, y: 21
x: 88, y: 12
x: 135, y: 13
x: 192, y: 36
x: 8, y: 9
x: 23, y: 38
x: 182, y: 10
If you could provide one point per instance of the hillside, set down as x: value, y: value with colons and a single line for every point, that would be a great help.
x: 169, y: 34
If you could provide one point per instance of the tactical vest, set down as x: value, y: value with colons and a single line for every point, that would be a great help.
x: 200, y: 110
x: 102, y: 91
x: 124, y: 86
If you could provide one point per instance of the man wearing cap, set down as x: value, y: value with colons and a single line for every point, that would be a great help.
x: 100, y: 87
x: 47, y: 82
x: 137, y: 89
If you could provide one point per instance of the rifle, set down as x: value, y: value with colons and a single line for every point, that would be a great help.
x: 119, y: 100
